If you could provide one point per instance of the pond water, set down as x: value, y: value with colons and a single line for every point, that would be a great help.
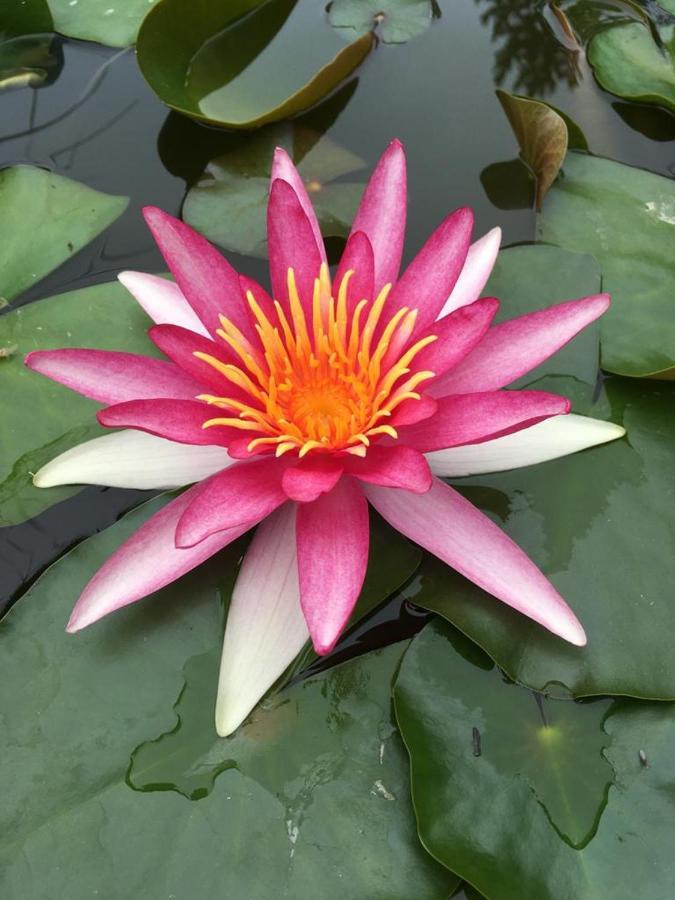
x: 99, y: 123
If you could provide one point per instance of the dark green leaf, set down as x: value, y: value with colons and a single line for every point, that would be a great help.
x: 229, y: 202
x: 625, y: 217
x: 243, y: 63
x: 397, y: 21
x: 45, y: 219
x: 318, y: 778
x: 111, y: 22
x: 496, y: 819
x: 600, y: 525
x: 41, y: 418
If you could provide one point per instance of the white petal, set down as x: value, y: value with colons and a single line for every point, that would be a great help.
x: 265, y: 628
x: 477, y: 269
x: 555, y: 437
x: 133, y: 459
x: 162, y: 300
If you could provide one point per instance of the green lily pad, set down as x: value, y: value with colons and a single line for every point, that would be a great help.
x: 628, y: 62
x: 319, y: 776
x: 600, y: 525
x: 111, y: 22
x: 41, y: 418
x: 229, y: 202
x: 543, y: 134
x: 397, y: 21
x: 625, y: 217
x: 494, y: 818
x: 243, y: 63
x: 46, y: 218
x: 28, y: 55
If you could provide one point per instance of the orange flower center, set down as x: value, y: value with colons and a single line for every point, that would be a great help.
x: 324, y: 385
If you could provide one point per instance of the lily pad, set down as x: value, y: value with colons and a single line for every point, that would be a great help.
x: 625, y: 217
x: 397, y: 21
x: 543, y: 134
x: 229, y: 202
x: 45, y: 219
x: 41, y: 418
x: 29, y: 54
x: 628, y: 62
x: 600, y: 525
x: 319, y: 776
x: 494, y: 818
x: 111, y: 22
x: 243, y: 63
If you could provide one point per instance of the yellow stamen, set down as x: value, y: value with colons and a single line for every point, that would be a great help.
x: 318, y: 378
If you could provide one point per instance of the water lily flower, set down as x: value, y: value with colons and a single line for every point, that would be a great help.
x: 294, y: 411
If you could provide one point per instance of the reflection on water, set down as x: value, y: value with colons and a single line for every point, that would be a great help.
x: 526, y: 52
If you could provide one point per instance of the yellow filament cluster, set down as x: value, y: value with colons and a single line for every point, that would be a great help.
x: 319, y: 385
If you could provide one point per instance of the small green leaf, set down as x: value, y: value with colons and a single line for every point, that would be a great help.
x: 543, y: 134
x: 318, y: 777
x: 397, y: 21
x: 243, y: 63
x: 43, y: 418
x: 625, y: 217
x: 46, y: 218
x: 229, y: 202
x: 497, y: 818
x: 111, y: 22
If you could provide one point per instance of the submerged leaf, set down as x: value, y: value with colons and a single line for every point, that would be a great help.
x: 495, y: 819
x: 45, y: 219
x: 319, y: 775
x: 625, y: 217
x: 245, y: 63
x: 229, y: 202
x: 396, y: 20
x: 29, y: 54
x: 543, y: 134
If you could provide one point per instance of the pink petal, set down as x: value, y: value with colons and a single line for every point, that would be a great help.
x: 177, y: 420
x: 162, y: 300
x: 265, y: 628
x: 311, y: 478
x: 207, y: 280
x: 146, y: 562
x: 246, y: 492
x: 394, y: 466
x: 357, y: 257
x: 332, y: 534
x: 457, y: 335
x: 431, y: 276
x: 261, y: 296
x: 180, y: 345
x: 480, y: 261
x: 470, y: 418
x: 291, y: 245
x: 284, y: 168
x: 447, y: 525
x: 513, y: 348
x: 112, y: 377
x: 410, y: 412
x: 382, y: 213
